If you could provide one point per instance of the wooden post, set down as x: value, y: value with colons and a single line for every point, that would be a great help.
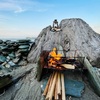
x: 59, y: 84
x: 56, y: 90
x: 63, y: 87
x: 50, y: 94
x: 47, y: 86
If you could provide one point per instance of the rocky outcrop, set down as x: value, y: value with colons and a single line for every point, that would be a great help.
x: 76, y: 34
x: 26, y: 87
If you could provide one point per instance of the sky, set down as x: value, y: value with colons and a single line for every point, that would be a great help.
x: 26, y: 18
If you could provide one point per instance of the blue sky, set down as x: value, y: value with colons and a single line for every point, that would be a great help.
x: 26, y: 18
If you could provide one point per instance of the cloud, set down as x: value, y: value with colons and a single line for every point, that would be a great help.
x: 9, y: 5
x: 19, y: 10
x: 19, y: 6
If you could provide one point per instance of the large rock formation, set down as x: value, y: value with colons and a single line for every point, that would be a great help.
x: 76, y: 34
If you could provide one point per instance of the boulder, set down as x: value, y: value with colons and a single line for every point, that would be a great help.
x: 76, y: 34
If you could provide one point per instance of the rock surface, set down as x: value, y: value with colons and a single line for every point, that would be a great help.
x: 76, y: 34
x: 27, y: 88
x: 71, y: 37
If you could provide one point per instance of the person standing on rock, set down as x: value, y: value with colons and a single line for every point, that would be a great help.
x: 55, y: 23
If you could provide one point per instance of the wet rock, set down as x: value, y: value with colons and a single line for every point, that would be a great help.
x: 1, y: 72
x: 8, y: 58
x: 4, y: 80
x: 2, y: 58
x: 23, y: 41
x: 24, y: 57
x: 23, y: 47
x: 26, y: 43
x: 12, y: 48
x: 11, y: 63
x: 3, y: 47
x: 4, y: 63
x: 8, y: 41
x: 11, y: 55
x: 5, y: 53
x: 16, y: 60
x: 1, y: 67
x: 1, y: 41
x: 3, y: 44
x: 22, y: 63
x: 7, y: 66
x: 23, y: 50
x: 18, y: 54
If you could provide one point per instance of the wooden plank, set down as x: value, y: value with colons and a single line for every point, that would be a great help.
x: 63, y: 87
x: 68, y: 66
x: 50, y: 95
x: 47, y: 86
x: 59, y: 84
x: 56, y: 90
